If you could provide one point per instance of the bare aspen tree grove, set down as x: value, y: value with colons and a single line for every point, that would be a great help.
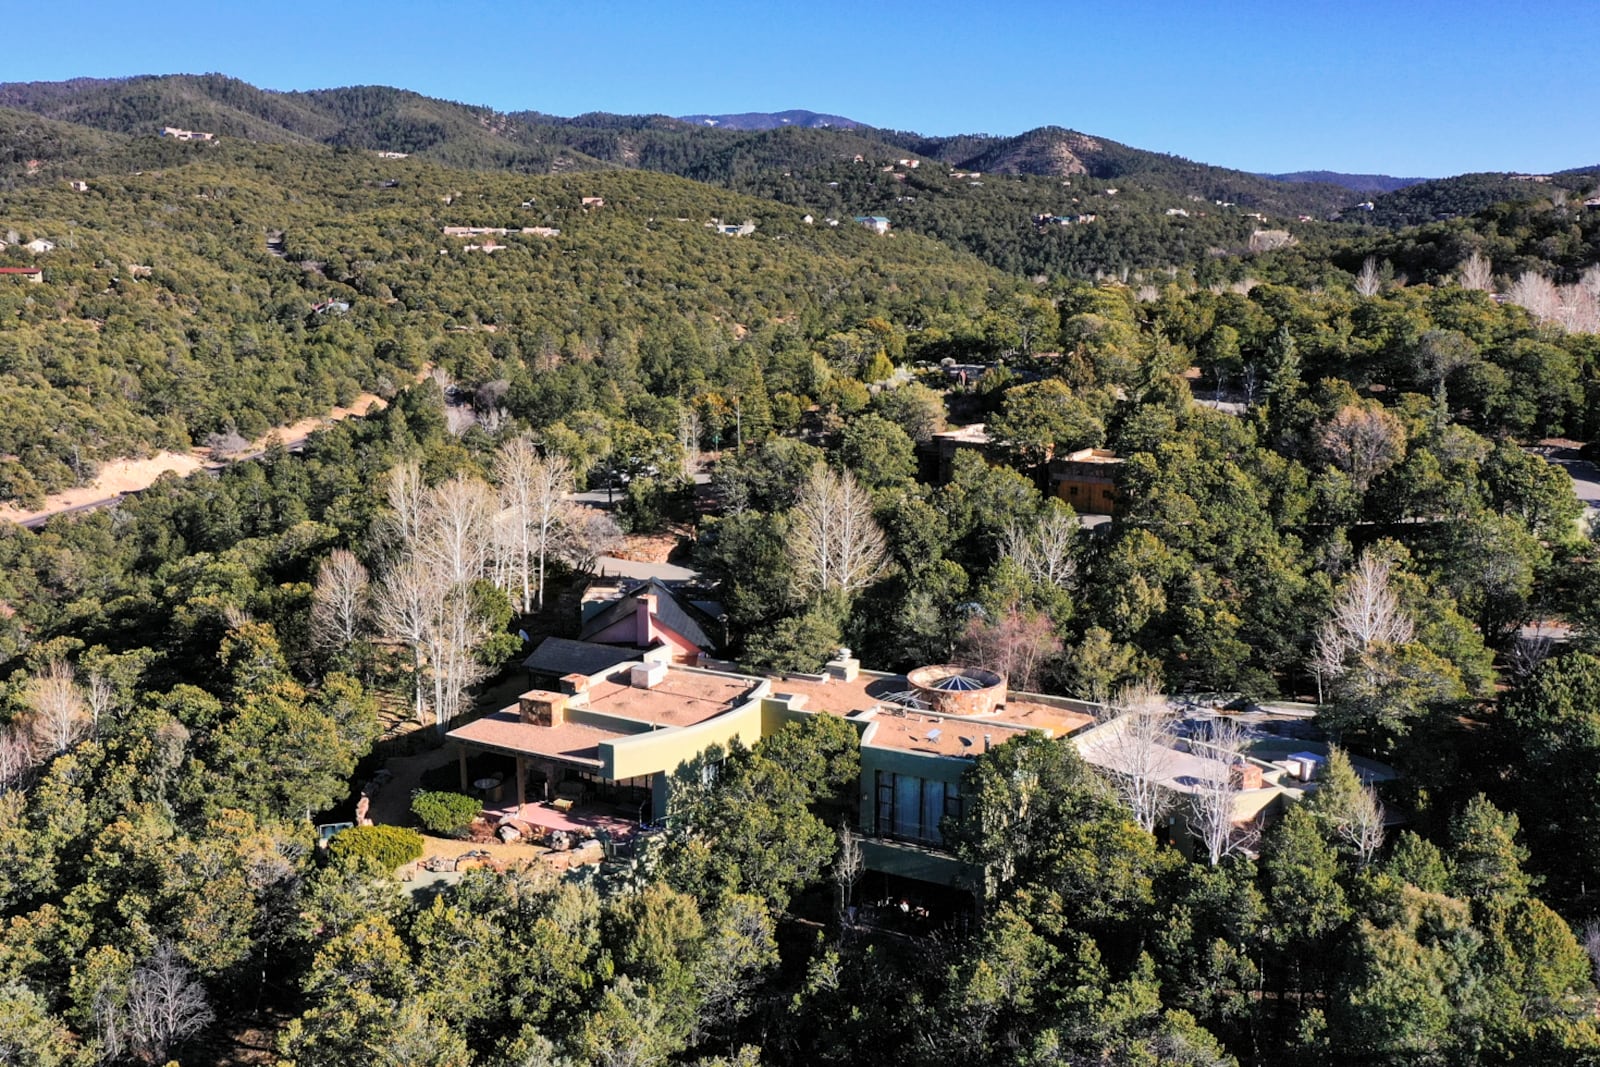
x: 408, y: 599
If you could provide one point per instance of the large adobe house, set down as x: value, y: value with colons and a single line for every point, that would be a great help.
x: 613, y: 740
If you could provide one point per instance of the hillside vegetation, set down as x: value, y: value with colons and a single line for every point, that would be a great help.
x: 166, y: 316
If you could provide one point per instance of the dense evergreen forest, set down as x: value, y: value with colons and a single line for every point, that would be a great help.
x: 1330, y: 491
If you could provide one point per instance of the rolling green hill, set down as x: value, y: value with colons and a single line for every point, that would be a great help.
x: 1467, y: 194
x: 166, y: 316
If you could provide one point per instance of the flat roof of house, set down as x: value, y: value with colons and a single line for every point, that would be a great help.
x: 874, y: 690
x: 682, y: 698
x: 935, y: 735
x: 505, y: 730
x: 975, y: 433
x: 1091, y: 455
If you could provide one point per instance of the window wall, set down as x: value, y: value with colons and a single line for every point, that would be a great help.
x: 910, y: 808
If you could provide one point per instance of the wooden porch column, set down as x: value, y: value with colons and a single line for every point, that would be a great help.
x: 461, y: 759
x: 522, y: 786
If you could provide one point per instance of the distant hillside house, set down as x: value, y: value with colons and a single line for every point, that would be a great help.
x: 78, y: 187
x: 39, y: 246
x: 1087, y: 479
x: 648, y: 615
x: 876, y: 223
x: 184, y: 135
x: 937, y: 456
x: 743, y: 229
x: 393, y: 155
x: 594, y: 201
x: 27, y: 274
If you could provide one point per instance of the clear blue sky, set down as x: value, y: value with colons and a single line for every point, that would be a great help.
x: 1406, y: 87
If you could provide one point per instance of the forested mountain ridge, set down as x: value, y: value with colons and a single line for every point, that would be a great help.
x: 383, y: 118
x: 1361, y: 183
x: 979, y: 193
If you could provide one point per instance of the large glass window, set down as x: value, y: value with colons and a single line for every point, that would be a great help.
x: 911, y: 808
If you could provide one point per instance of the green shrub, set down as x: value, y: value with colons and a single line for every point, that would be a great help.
x: 389, y: 846
x: 445, y: 813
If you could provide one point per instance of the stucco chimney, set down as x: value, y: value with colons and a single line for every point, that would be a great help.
x: 644, y: 623
x: 540, y: 707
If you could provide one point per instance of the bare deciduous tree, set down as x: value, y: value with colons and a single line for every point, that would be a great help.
x: 1477, y: 272
x: 456, y: 541
x: 406, y: 604
x: 163, y: 1006
x: 1016, y: 645
x: 1044, y: 548
x: 1363, y: 442
x: 1528, y: 653
x: 454, y: 631
x: 1538, y: 296
x: 1574, y: 308
x: 836, y: 544
x: 1366, y: 614
x: 1366, y: 611
x: 534, y: 489
x: 1370, y: 280
x: 1135, y: 749
x: 17, y: 758
x: 1363, y: 829
x: 61, y: 715
x: 1590, y: 936
x: 515, y: 466
x: 405, y: 525
x: 1214, y: 802
x: 551, y: 517
x: 585, y: 536
x: 102, y: 697
x: 848, y: 867
x: 339, y: 601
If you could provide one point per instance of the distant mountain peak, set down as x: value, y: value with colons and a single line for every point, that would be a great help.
x: 772, y: 120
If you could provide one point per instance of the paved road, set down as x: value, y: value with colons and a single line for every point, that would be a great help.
x: 1584, y: 474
